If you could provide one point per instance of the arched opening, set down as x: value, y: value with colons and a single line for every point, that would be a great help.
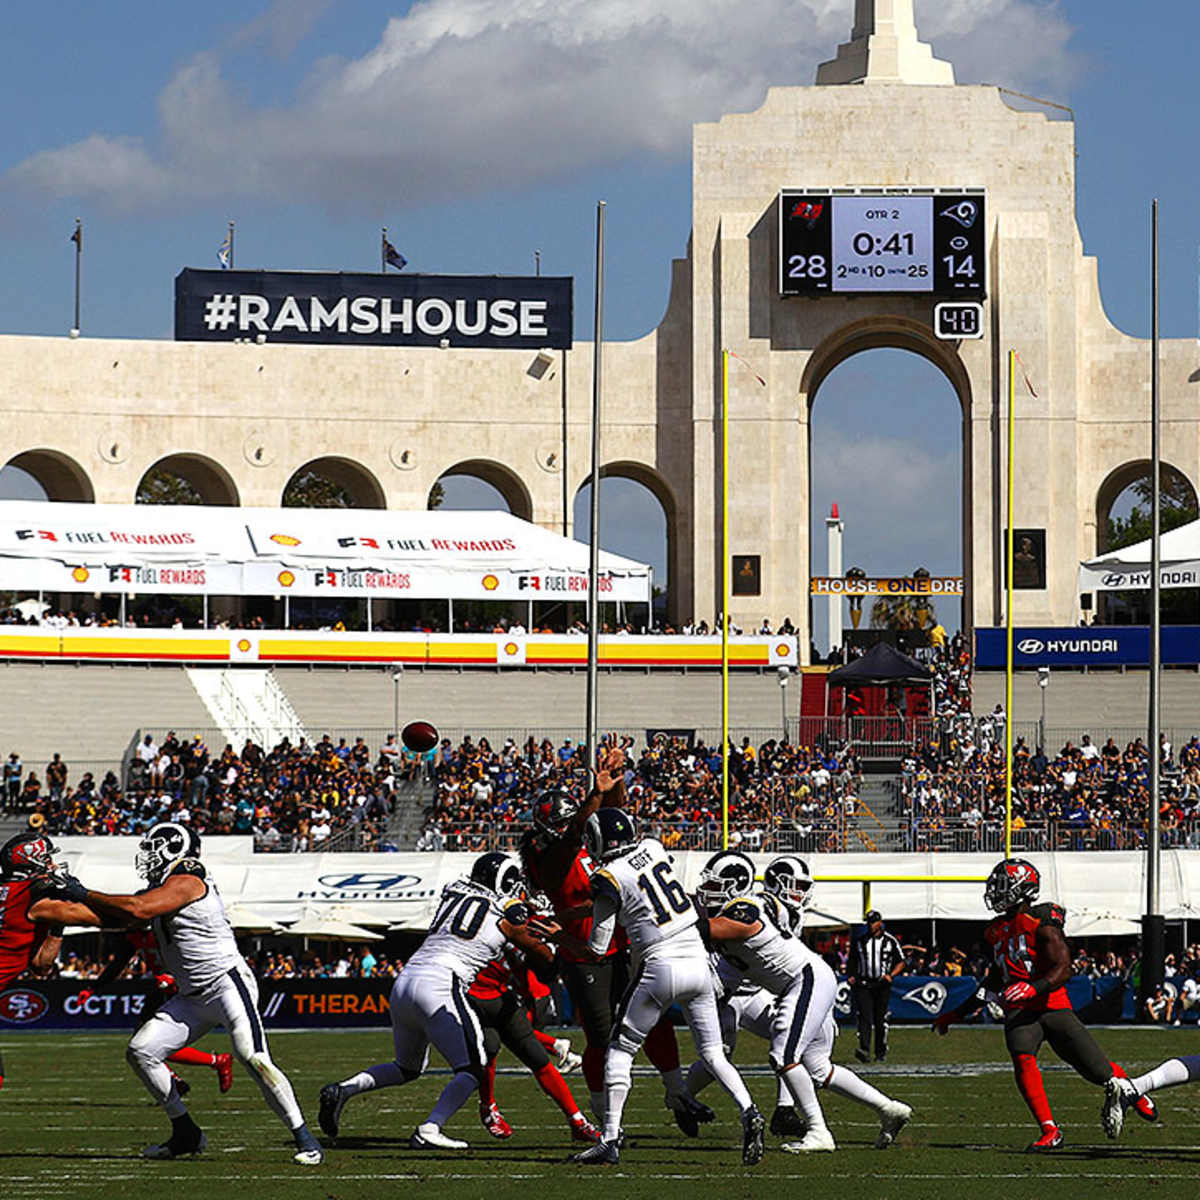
x: 333, y: 482
x: 888, y: 444
x: 481, y: 484
x: 1123, y: 518
x: 45, y: 475
x: 186, y: 479
x: 637, y: 520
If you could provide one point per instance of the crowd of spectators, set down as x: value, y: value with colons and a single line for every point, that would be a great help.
x: 295, y: 797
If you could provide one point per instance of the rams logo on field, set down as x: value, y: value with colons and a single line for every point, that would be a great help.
x: 22, y: 1007
x: 930, y: 996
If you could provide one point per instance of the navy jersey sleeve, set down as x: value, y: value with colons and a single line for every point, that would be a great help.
x: 516, y: 912
x: 604, y: 886
x: 744, y: 911
x: 191, y: 866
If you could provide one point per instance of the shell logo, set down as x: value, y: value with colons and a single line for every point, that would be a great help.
x: 286, y: 578
x: 783, y: 650
x: 243, y: 645
x: 285, y: 539
x: 490, y: 583
x: 511, y: 648
x: 81, y: 574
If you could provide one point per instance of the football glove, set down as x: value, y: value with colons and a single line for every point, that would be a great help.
x: 66, y: 885
x: 1016, y: 993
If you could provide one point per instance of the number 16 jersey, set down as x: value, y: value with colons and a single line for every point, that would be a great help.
x: 465, y: 935
x: 656, y: 913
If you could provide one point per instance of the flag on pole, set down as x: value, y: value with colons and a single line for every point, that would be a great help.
x: 77, y: 236
x: 225, y: 251
x: 392, y: 257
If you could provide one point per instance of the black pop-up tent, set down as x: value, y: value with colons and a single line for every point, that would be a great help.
x: 881, y: 666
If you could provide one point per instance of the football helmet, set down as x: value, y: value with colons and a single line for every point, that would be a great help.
x: 163, y: 848
x: 787, y: 878
x: 609, y: 833
x: 1013, y: 881
x: 727, y: 874
x: 27, y: 856
x: 500, y: 873
x: 552, y: 812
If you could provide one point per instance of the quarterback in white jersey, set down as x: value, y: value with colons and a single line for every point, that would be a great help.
x: 476, y: 918
x: 758, y: 938
x: 636, y: 883
x: 196, y: 944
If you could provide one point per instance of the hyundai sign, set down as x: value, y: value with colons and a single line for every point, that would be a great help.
x: 1087, y: 646
x: 490, y: 312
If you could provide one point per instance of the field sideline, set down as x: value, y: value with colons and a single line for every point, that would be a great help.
x: 73, y: 1119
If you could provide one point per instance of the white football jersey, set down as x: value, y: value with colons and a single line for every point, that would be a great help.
x: 772, y: 958
x: 465, y: 935
x: 196, y: 943
x: 655, y: 911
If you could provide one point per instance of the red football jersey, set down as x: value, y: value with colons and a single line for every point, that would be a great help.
x: 19, y: 933
x: 576, y: 890
x: 492, y: 982
x: 1014, y: 946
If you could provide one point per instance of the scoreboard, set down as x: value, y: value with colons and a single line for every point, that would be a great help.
x: 931, y: 242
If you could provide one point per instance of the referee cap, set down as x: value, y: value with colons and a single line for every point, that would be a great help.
x: 873, y: 915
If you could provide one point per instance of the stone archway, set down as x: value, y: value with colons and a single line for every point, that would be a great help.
x: 505, y: 480
x: 187, y: 479
x: 333, y: 482
x: 1175, y: 484
x: 58, y: 475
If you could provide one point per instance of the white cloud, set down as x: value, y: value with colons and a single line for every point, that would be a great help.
x: 476, y: 94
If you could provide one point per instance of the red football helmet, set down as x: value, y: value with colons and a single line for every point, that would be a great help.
x: 1013, y: 881
x: 553, y: 812
x: 27, y: 856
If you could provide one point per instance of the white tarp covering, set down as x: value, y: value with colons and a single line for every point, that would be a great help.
x: 1128, y: 569
x: 185, y: 549
x: 1102, y: 893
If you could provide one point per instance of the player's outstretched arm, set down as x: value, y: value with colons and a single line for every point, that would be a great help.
x: 169, y: 897
x: 64, y: 912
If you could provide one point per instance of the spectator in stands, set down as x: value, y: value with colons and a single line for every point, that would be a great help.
x: 13, y: 770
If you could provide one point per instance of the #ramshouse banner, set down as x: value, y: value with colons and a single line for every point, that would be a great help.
x: 908, y: 585
x: 491, y: 312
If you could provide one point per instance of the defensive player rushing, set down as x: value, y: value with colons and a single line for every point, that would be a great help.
x: 635, y: 883
x: 1032, y: 965
x: 1121, y: 1094
x: 476, y: 918
x: 758, y: 939
x: 197, y: 946
x: 557, y: 864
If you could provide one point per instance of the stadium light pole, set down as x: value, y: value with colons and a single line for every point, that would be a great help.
x: 726, y: 567
x: 1008, y: 614
x: 1153, y: 931
x: 593, y: 598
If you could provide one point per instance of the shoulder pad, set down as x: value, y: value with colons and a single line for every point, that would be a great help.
x: 515, y: 912
x: 603, y: 884
x: 743, y: 910
x: 190, y: 866
x: 1049, y: 914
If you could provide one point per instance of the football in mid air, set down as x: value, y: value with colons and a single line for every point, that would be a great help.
x: 419, y: 736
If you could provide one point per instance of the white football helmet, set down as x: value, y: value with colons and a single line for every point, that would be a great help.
x: 162, y: 849
x: 726, y: 875
x: 787, y: 878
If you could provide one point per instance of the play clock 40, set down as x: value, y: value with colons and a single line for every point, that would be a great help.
x: 925, y: 241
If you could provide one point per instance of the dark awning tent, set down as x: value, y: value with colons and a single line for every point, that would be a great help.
x: 881, y: 666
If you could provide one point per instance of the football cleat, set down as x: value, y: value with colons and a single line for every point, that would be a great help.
x: 565, y: 1059
x: 430, y: 1137
x: 893, y: 1118
x: 689, y: 1113
x: 1119, y: 1094
x: 582, y: 1130
x: 178, y: 1147
x: 1051, y: 1139
x: 753, y: 1126
x: 332, y: 1101
x: 787, y: 1122
x: 862, y: 1055
x: 308, y: 1149
x: 492, y: 1119
x: 224, y: 1069
x: 601, y: 1153
x: 1145, y: 1108
x: 815, y: 1141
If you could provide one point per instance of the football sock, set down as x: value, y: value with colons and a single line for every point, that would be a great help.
x: 191, y: 1057
x: 546, y: 1040
x: 551, y: 1082
x: 454, y: 1096
x: 846, y: 1083
x: 275, y: 1087
x: 804, y: 1095
x: 727, y: 1076
x: 183, y: 1126
x: 673, y: 1082
x: 662, y: 1048
x: 1032, y: 1089
x: 1169, y: 1074
x: 618, y: 1071
x: 698, y: 1078
x: 593, y: 1068
x: 173, y: 1106
x: 383, y: 1075
x: 784, y: 1097
x: 487, y: 1085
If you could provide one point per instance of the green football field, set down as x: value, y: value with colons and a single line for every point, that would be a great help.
x: 73, y: 1119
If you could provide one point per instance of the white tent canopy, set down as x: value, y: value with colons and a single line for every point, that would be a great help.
x: 206, y: 550
x: 1128, y: 569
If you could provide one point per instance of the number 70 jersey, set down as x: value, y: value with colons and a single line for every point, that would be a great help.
x: 465, y: 935
x: 656, y: 912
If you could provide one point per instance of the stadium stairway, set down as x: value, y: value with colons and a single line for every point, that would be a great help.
x: 247, y: 704
x: 408, y: 818
x: 878, y: 822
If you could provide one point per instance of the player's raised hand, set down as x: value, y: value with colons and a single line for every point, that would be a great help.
x: 612, y: 767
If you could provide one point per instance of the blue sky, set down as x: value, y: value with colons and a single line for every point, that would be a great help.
x: 479, y: 131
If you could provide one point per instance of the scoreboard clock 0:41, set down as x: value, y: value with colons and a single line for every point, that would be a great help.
x: 930, y: 242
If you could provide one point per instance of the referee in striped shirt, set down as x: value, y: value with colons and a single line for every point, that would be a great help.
x: 876, y: 958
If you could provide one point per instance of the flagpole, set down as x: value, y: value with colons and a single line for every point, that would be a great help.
x: 383, y: 251
x: 231, y: 245
x: 725, y: 568
x: 1008, y: 618
x: 78, y: 240
x: 593, y: 596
